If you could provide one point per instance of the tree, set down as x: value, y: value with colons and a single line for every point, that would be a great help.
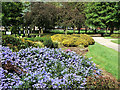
x: 42, y: 15
x: 103, y: 14
x: 12, y: 15
x: 71, y: 15
x: 78, y: 15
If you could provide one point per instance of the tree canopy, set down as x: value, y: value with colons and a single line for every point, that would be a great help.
x: 12, y: 14
x: 65, y: 14
x: 103, y: 14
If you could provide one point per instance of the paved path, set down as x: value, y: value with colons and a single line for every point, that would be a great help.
x: 107, y: 43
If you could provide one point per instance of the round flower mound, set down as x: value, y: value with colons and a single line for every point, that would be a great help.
x: 47, y: 68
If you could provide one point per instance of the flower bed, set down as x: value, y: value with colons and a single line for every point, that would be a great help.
x: 46, y: 68
x: 73, y: 40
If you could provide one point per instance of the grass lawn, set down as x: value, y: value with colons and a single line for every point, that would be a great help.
x: 110, y: 38
x: 105, y: 57
x: 58, y: 31
x: 116, y: 41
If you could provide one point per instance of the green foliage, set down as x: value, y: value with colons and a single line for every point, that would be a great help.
x: 116, y: 41
x: 55, y: 44
x: 49, y: 43
x: 17, y: 43
x: 73, y: 40
x: 12, y: 15
x: 103, y: 14
x: 71, y: 14
x: 42, y: 15
x: 7, y: 39
x: 40, y: 44
x: 101, y: 83
x: 115, y: 35
x: 105, y: 57
x: 41, y: 39
x: 44, y: 41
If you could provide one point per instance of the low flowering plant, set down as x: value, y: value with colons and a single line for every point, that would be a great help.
x: 46, y: 68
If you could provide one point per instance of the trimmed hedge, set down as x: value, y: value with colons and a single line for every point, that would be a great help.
x: 73, y: 40
x: 115, y: 35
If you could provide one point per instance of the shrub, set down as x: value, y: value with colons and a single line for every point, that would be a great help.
x: 101, y: 83
x: 81, y: 42
x: 38, y: 44
x: 48, y: 43
x: 41, y: 39
x: 31, y: 39
x: 55, y: 45
x: 86, y: 37
x: 115, y: 35
x: 8, y: 39
x: 73, y: 40
x: 16, y: 43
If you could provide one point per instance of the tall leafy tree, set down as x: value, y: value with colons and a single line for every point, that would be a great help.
x: 42, y: 15
x: 12, y: 15
x: 103, y: 14
x: 71, y: 15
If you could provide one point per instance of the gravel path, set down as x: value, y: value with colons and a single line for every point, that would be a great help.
x: 107, y: 43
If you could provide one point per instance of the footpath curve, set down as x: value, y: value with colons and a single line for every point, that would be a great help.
x: 107, y: 43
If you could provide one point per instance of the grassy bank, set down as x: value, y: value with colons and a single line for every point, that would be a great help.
x: 116, y: 41
x: 110, y: 38
x: 105, y: 57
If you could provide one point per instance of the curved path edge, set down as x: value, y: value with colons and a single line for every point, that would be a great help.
x: 107, y: 43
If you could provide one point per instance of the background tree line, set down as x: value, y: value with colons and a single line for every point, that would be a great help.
x: 18, y: 16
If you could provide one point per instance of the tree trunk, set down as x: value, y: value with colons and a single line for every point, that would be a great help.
x: 39, y: 31
x: 78, y: 30
x: 23, y: 33
x: 86, y: 30
x: 33, y: 29
x: 95, y: 31
x: 111, y: 30
x: 6, y: 30
x: 74, y: 30
x: 28, y: 31
x: 106, y: 30
x: 66, y: 31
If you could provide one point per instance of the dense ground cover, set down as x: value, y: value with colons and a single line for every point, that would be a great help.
x: 73, y: 39
x: 45, y: 68
x: 116, y: 41
x: 105, y: 57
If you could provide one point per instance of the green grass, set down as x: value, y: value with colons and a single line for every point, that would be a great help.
x: 110, y: 38
x: 116, y: 41
x: 105, y: 57
x: 57, y: 31
x: 68, y: 31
